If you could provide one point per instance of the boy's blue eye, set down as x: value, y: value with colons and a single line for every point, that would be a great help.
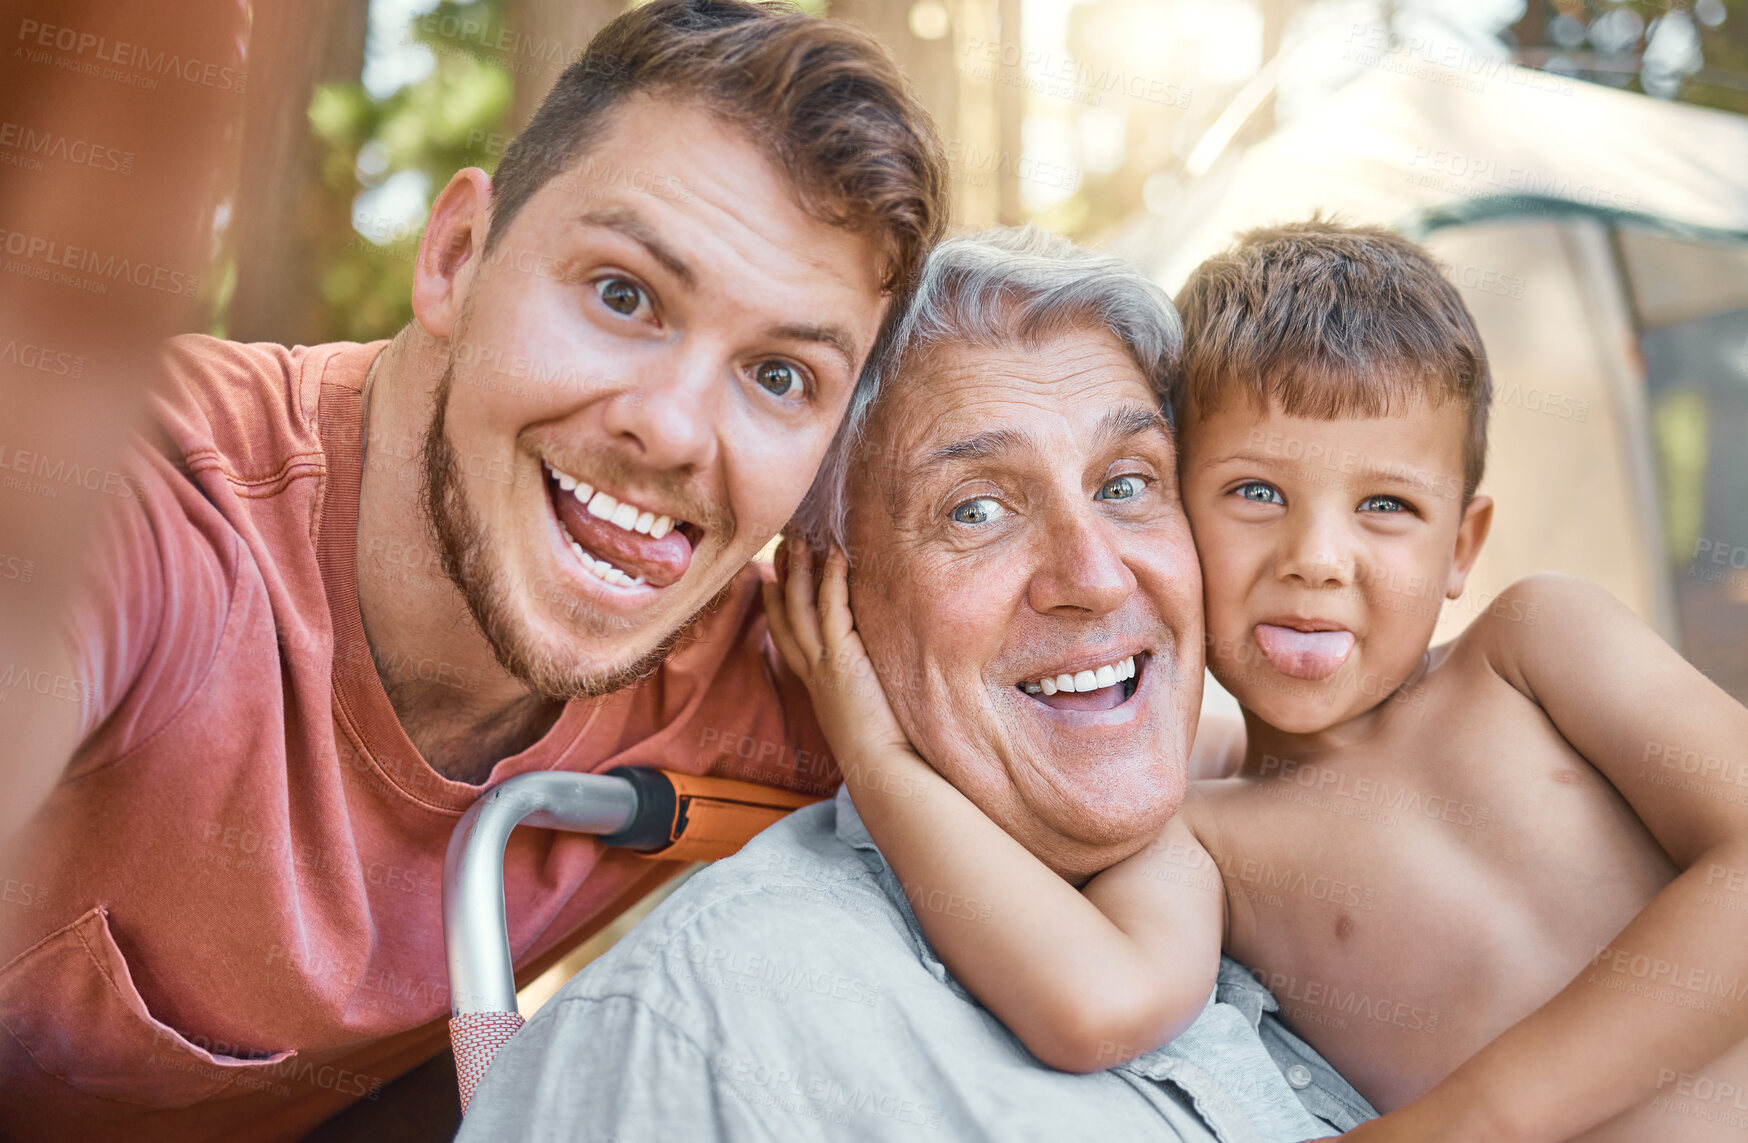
x: 1122, y: 488
x: 979, y: 511
x: 1382, y: 504
x: 1257, y: 492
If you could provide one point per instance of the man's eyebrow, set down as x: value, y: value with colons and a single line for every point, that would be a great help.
x: 1116, y: 425
x: 628, y: 222
x: 835, y: 337
x: 1129, y: 421
x: 982, y: 446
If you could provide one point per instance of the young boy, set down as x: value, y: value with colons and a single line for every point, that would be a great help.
x: 1501, y: 884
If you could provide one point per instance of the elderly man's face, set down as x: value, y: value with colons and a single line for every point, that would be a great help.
x: 1016, y: 520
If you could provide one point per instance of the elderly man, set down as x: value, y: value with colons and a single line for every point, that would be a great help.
x: 789, y: 992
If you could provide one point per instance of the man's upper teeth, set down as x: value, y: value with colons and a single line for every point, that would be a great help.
x: 614, y: 511
x: 1080, y: 682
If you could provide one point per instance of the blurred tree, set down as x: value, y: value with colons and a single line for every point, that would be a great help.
x: 386, y: 157
x: 929, y: 41
x: 542, y: 38
x: 268, y: 279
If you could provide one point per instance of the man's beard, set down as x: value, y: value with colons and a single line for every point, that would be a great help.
x: 467, y: 549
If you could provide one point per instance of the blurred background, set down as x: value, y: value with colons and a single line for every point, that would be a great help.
x: 1580, y: 165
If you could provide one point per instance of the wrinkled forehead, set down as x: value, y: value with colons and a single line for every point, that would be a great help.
x: 963, y: 406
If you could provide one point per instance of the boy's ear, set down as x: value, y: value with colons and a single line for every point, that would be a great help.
x: 1471, y: 534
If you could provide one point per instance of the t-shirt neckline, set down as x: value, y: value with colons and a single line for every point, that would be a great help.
x: 361, y: 705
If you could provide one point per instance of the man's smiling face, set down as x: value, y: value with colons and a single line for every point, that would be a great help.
x: 644, y: 374
x: 1025, y: 584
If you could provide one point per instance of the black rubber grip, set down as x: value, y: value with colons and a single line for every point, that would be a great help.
x: 652, y: 826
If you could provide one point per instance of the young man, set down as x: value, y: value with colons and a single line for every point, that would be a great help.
x: 355, y: 584
x: 1491, y: 880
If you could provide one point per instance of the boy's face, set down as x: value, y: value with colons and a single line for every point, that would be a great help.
x: 1326, y: 549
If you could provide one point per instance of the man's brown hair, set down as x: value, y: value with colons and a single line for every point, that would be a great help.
x: 1324, y: 320
x: 833, y: 110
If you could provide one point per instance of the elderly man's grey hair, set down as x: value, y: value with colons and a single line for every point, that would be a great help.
x: 999, y: 288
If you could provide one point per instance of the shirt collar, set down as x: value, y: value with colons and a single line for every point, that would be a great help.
x: 850, y: 830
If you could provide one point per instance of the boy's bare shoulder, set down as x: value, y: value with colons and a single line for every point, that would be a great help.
x: 1544, y: 617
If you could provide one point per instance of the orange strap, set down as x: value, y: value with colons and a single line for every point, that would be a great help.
x: 714, y: 817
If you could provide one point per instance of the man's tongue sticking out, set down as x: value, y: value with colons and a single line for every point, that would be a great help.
x: 659, y: 563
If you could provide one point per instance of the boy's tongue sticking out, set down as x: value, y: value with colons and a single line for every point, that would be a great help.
x: 1312, y: 655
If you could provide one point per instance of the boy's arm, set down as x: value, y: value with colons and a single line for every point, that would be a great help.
x: 1083, y: 989
x: 1676, y: 747
x: 1218, y: 750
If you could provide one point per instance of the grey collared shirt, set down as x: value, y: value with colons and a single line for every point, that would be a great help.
x: 787, y: 993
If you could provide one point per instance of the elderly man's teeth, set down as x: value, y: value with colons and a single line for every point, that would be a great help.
x: 1081, y: 682
x: 660, y: 527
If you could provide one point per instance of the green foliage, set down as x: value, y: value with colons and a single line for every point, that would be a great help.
x: 436, y: 126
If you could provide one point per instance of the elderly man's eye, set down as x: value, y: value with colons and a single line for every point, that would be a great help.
x: 979, y: 511
x: 1122, y: 488
x: 780, y: 379
x: 621, y: 295
x: 1257, y: 492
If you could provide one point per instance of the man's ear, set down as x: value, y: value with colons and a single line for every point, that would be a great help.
x: 1471, y: 534
x: 449, y: 252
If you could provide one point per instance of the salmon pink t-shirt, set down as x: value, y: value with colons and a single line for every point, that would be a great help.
x: 227, y: 919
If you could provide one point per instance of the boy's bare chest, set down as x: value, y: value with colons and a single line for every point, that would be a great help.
x: 1408, y: 903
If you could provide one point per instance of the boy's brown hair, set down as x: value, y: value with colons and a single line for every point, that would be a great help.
x: 1324, y: 320
x: 825, y: 100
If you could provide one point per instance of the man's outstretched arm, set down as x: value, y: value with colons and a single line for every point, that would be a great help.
x: 85, y: 338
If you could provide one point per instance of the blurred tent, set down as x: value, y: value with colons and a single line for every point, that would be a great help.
x: 1601, y: 240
